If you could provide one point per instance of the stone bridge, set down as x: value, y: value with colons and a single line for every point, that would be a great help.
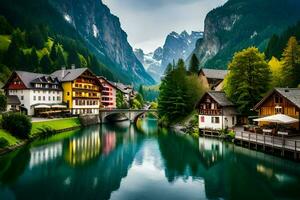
x: 131, y: 114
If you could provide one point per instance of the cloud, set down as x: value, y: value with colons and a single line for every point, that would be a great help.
x: 147, y: 22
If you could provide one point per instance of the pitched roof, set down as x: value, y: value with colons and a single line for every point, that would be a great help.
x: 108, y: 82
x: 13, y: 100
x: 68, y: 74
x: 214, y: 73
x: 291, y: 94
x: 220, y: 98
x: 27, y: 77
x: 126, y: 89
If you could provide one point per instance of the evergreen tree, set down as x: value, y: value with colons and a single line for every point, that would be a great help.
x: 73, y: 58
x: 53, y: 52
x: 60, y: 61
x: 248, y: 80
x: 35, y: 38
x: 141, y: 91
x: 34, y: 61
x: 46, y: 64
x: 291, y: 63
x: 272, y: 48
x: 3, y: 102
x: 5, y: 27
x: 194, y: 65
x: 12, y: 55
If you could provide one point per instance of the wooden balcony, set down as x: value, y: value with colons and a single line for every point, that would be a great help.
x: 216, y: 112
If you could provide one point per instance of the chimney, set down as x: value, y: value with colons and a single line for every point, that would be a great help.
x: 63, y: 69
x: 73, y: 66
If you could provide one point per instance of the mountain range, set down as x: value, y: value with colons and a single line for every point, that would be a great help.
x: 242, y: 23
x: 176, y: 46
x: 87, y: 21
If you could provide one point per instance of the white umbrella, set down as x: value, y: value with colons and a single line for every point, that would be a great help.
x: 279, y: 118
x: 59, y: 106
x: 42, y: 106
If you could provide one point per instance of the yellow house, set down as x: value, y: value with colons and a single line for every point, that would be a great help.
x: 81, y: 90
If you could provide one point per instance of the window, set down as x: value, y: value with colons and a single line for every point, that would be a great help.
x: 233, y: 121
x: 58, y: 98
x: 68, y: 93
x: 44, y: 98
x: 34, y: 98
x: 22, y: 98
x: 202, y: 119
x: 278, y: 110
x: 40, y: 98
x: 49, y: 98
x: 278, y: 99
x: 215, y: 120
x: 53, y: 98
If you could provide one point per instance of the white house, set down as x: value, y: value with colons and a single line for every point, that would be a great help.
x: 36, y: 92
x: 216, y: 112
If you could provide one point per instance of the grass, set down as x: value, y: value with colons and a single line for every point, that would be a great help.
x: 11, y: 139
x: 4, y: 42
x: 55, y: 124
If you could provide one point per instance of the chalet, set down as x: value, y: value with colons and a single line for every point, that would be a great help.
x: 216, y: 112
x: 280, y: 101
x: 212, y: 79
x: 81, y: 90
x: 33, y: 92
x: 108, y: 93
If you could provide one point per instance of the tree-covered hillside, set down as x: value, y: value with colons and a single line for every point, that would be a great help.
x: 243, y: 23
x: 39, y: 50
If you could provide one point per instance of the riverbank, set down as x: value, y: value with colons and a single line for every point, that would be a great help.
x: 58, y: 126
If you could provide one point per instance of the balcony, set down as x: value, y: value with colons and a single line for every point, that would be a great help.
x: 210, y: 112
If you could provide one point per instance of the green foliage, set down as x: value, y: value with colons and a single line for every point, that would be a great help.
x: 248, y: 80
x: 276, y: 69
x: 38, y: 49
x: 17, y: 124
x: 137, y: 102
x: 3, y: 102
x: 194, y: 65
x: 178, y: 94
x: 46, y: 131
x: 291, y: 63
x: 141, y: 91
x: 121, y: 103
x: 3, y: 142
x: 153, y: 105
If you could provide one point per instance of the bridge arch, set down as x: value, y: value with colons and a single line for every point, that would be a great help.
x: 131, y: 114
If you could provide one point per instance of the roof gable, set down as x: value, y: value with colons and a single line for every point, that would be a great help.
x: 214, y: 73
x: 291, y: 94
x: 219, y: 97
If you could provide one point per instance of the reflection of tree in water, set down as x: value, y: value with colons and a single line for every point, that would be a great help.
x: 12, y: 166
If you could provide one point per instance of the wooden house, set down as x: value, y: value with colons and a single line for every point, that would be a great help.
x: 212, y: 79
x: 280, y: 101
x: 216, y: 112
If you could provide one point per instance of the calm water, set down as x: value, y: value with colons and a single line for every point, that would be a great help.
x: 122, y: 162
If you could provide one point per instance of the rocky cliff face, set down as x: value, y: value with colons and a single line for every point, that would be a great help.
x: 240, y: 24
x: 103, y: 34
x: 176, y: 46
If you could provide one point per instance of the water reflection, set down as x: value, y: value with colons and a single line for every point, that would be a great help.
x: 120, y: 161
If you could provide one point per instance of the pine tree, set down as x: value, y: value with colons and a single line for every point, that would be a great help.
x: 291, y: 63
x: 248, y: 80
x: 53, y: 52
x: 141, y: 91
x: 46, y: 64
x: 194, y: 65
x: 60, y: 61
x: 34, y: 61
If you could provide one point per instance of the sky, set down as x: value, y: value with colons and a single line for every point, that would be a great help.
x: 148, y: 22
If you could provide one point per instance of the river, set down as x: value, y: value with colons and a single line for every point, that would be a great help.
x: 121, y: 161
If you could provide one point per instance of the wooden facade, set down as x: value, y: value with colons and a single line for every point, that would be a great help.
x: 277, y: 103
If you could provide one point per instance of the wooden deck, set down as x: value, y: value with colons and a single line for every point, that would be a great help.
x: 268, y: 142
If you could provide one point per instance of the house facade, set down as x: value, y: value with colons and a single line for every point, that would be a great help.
x: 280, y: 101
x: 35, y: 92
x: 212, y: 79
x: 81, y: 90
x: 216, y: 112
x: 108, y: 94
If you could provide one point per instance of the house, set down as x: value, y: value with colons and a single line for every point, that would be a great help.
x: 32, y: 93
x: 280, y: 101
x: 81, y: 90
x: 127, y: 90
x: 108, y: 93
x: 13, y: 103
x: 212, y: 79
x: 216, y: 112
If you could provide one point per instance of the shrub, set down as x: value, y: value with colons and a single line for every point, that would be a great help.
x: 46, y: 131
x: 17, y: 124
x: 3, y: 142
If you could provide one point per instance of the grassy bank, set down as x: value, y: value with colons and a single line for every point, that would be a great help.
x: 11, y: 139
x: 59, y: 124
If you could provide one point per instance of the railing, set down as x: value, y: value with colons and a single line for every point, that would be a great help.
x: 210, y: 112
x: 268, y: 140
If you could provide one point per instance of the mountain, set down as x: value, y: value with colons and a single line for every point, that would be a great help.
x: 176, y: 46
x: 242, y: 23
x: 87, y: 21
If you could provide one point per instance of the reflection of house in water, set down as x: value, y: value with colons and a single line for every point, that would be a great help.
x: 83, y: 149
x: 44, y: 154
x: 108, y: 142
x: 211, y: 151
